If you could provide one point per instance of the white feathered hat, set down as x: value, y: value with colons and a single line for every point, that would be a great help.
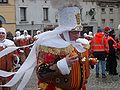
x: 18, y: 33
x: 2, y: 30
x: 85, y: 35
x: 90, y: 34
x: 38, y: 32
x: 25, y: 31
x: 69, y: 19
x: 83, y: 43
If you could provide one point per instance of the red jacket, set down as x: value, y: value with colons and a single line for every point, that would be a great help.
x: 115, y: 43
x: 99, y: 43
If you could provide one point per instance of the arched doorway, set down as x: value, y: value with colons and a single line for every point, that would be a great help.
x: 2, y: 20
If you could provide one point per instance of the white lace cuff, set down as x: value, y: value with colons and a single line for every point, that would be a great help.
x: 63, y: 67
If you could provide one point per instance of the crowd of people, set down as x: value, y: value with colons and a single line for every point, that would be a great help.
x: 105, y: 47
x: 61, y: 58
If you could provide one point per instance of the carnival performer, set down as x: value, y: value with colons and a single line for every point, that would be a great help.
x: 90, y: 35
x: 36, y: 36
x: 26, y: 35
x: 18, y: 33
x: 89, y: 38
x: 25, y: 39
x: 58, y: 55
x: 8, y: 62
x: 68, y: 80
x: 18, y: 42
x: 17, y: 38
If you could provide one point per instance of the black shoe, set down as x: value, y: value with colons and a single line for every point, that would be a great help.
x: 92, y: 66
x: 103, y: 76
x: 110, y: 73
x: 97, y: 75
x: 115, y: 73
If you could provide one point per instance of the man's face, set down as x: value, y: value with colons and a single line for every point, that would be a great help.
x: 74, y: 35
x: 2, y: 36
x: 25, y: 33
x: 106, y: 31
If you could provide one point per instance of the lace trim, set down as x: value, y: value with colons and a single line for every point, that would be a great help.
x: 56, y: 51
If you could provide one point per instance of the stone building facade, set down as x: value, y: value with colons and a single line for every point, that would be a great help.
x: 8, y: 15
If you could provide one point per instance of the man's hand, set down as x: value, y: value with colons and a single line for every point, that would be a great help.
x: 71, y: 59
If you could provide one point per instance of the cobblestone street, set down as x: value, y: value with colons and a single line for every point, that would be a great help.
x: 109, y: 83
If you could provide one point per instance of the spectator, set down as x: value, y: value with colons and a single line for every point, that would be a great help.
x: 36, y: 36
x: 98, y: 48
x: 112, y: 62
x: 106, y: 32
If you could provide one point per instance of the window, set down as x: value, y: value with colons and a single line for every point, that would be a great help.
x: 45, y: 14
x: 45, y: 1
x: 103, y: 21
x: 111, y: 11
x: 22, y: 0
x: 103, y: 10
x: 111, y: 22
x: 3, y: 1
x: 23, y: 13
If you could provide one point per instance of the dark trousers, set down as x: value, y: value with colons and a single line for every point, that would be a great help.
x: 112, y: 64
